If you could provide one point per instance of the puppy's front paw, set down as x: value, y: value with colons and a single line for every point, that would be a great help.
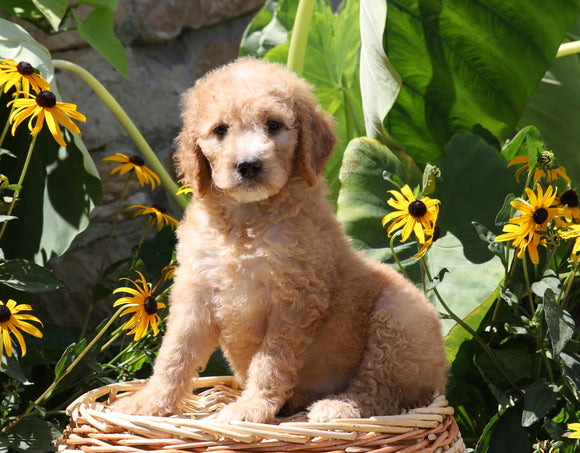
x: 329, y: 409
x: 145, y: 402
x: 249, y: 410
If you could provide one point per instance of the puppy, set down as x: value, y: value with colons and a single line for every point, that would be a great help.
x: 266, y: 272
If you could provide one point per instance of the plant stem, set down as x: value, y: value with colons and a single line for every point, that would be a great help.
x: 52, y: 386
x: 473, y: 333
x: 396, y: 234
x: 568, y: 48
x: 299, y: 38
x: 129, y: 126
x: 114, y: 225
x: 16, y: 194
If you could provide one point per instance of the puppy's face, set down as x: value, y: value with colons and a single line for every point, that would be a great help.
x: 247, y: 128
x: 249, y: 144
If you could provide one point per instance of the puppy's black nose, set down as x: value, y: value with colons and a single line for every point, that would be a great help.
x: 249, y: 168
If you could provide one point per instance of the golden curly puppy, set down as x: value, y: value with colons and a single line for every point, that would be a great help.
x: 266, y: 271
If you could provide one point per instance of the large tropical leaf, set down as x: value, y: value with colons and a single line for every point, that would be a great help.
x: 553, y: 109
x: 62, y: 184
x: 331, y: 65
x: 468, y: 62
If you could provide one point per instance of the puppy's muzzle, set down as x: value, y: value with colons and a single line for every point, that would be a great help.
x: 249, y: 169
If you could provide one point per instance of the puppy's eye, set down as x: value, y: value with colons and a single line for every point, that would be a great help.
x: 273, y: 126
x: 221, y: 130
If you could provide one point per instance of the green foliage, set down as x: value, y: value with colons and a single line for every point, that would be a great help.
x: 97, y: 29
x: 62, y: 185
x: 466, y: 63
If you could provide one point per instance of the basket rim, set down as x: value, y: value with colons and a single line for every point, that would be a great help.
x: 87, y: 410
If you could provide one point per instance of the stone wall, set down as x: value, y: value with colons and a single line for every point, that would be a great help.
x: 169, y: 43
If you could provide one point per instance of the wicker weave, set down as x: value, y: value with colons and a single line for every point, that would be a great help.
x: 95, y: 428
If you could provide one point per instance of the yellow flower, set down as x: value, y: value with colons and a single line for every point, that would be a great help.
x: 544, y: 170
x: 45, y: 107
x: 575, y: 427
x: 143, y: 304
x: 21, y: 76
x: 168, y: 271
x: 569, y: 203
x: 573, y: 233
x: 158, y: 215
x: 11, y: 320
x: 136, y: 163
x: 535, y: 216
x: 184, y: 189
x: 411, y: 214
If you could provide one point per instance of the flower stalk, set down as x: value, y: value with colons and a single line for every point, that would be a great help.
x: 16, y: 194
x: 129, y: 126
x: 299, y: 39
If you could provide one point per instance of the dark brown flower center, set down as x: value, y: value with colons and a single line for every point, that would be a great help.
x: 25, y: 68
x: 137, y: 160
x: 161, y: 209
x: 417, y: 208
x: 436, y: 233
x: 570, y: 198
x: 5, y: 313
x: 540, y: 215
x: 46, y: 99
x: 150, y: 305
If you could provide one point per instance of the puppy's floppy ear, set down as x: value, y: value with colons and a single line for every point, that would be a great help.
x: 316, y: 137
x: 192, y: 165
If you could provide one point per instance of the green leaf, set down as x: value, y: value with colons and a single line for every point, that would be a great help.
x: 549, y: 281
x: 458, y: 335
x: 362, y: 201
x: 32, y: 435
x: 379, y: 80
x: 472, y: 62
x: 53, y: 10
x: 11, y: 367
x: 540, y: 398
x: 571, y: 369
x: 474, y: 183
x: 561, y: 325
x: 504, y: 433
x: 29, y: 277
x: 98, y: 31
x: 553, y: 108
x: 270, y: 28
x: 62, y: 184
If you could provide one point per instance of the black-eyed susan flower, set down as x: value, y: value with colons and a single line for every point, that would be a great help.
x: 411, y: 214
x: 569, y: 202
x: 184, y: 189
x: 575, y: 428
x: 546, y: 168
x: 13, y: 321
x: 168, y: 271
x: 137, y: 164
x: 573, y: 232
x: 44, y: 107
x: 534, y: 217
x: 143, y: 304
x: 157, y: 215
x: 21, y: 76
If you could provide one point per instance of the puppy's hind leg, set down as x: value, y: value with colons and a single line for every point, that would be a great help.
x: 401, y: 367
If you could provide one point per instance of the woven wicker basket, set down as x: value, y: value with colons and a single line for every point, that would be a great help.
x: 95, y: 428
